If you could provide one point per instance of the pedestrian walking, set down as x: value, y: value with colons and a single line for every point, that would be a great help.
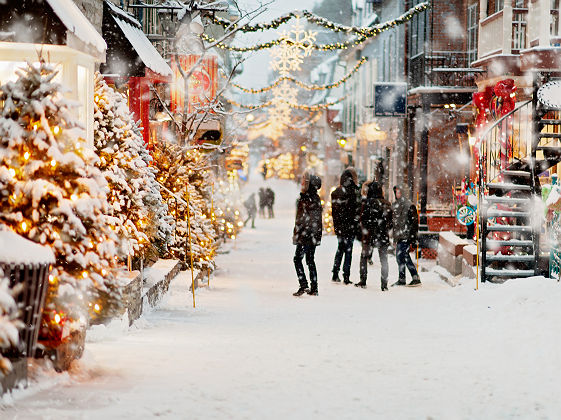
x: 406, y: 226
x: 270, y: 201
x: 363, y: 194
x: 345, y: 209
x: 251, y: 208
x: 307, y: 233
x: 262, y: 201
x: 376, y: 221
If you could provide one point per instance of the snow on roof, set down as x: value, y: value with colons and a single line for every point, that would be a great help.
x: 143, y: 47
x: 71, y: 16
x: 15, y: 249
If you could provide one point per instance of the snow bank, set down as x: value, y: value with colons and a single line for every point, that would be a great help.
x: 15, y: 249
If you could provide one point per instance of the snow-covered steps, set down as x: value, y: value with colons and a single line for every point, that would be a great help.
x: 507, y: 213
x: 511, y: 258
x: 509, y: 228
x: 509, y: 273
x: 492, y: 243
x: 506, y: 200
x: 519, y: 174
x: 508, y: 186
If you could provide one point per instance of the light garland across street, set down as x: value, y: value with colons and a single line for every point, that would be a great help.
x: 362, y: 34
x: 302, y: 84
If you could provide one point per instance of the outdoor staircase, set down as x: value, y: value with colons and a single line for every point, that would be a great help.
x: 510, y: 223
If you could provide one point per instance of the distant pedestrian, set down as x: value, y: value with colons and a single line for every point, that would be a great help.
x: 269, y: 202
x: 251, y: 208
x: 376, y: 221
x: 307, y: 233
x: 363, y: 194
x: 264, y: 170
x: 406, y: 226
x: 345, y: 208
x: 262, y: 201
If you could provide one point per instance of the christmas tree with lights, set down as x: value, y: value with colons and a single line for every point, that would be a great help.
x: 53, y: 193
x: 137, y: 211
x: 185, y: 179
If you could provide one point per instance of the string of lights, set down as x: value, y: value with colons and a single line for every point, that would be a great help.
x: 318, y: 20
x: 362, y: 34
x: 316, y: 107
x: 301, y: 84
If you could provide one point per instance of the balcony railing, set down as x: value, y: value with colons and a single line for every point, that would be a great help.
x: 519, y: 26
x: 442, y: 68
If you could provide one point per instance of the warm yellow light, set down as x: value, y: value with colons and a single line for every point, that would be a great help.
x: 24, y: 226
x: 97, y: 308
x: 73, y: 197
x: 26, y: 155
x: 84, y: 274
x: 12, y: 172
x: 103, y: 271
x: 51, y: 279
x: 53, y: 163
x: 57, y: 318
x: 56, y: 130
x: 303, y: 148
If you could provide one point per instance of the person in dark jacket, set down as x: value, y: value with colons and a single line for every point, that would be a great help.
x: 307, y: 233
x: 345, y: 207
x: 376, y: 221
x: 269, y: 202
x: 262, y: 201
x: 404, y: 235
x: 251, y: 210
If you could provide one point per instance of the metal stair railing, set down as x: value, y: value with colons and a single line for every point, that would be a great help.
x: 506, y: 142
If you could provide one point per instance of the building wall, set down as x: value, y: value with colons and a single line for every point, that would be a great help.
x: 93, y: 10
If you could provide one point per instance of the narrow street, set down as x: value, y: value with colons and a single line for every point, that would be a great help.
x: 251, y: 350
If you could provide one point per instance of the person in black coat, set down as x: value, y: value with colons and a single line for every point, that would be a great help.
x: 270, y: 201
x: 376, y: 221
x: 405, y: 236
x: 307, y: 233
x: 251, y: 210
x: 262, y: 202
x: 345, y: 207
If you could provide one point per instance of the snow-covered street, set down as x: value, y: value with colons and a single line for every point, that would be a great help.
x: 252, y: 350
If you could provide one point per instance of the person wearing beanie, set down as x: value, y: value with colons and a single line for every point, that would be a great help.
x: 345, y: 207
x: 307, y: 233
x: 376, y: 221
x: 406, y: 226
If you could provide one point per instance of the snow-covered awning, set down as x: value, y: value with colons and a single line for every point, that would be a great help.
x: 78, y: 25
x: 15, y: 249
x: 132, y: 30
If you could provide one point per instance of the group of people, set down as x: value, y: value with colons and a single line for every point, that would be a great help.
x: 266, y: 201
x: 366, y: 216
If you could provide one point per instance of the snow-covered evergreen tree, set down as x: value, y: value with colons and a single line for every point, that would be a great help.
x: 9, y: 324
x: 184, y: 176
x: 52, y: 193
x: 137, y: 212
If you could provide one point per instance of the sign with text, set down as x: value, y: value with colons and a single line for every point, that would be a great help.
x: 390, y: 100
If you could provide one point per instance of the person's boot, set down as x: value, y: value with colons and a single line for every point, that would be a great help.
x: 347, y: 280
x: 361, y: 283
x: 313, y: 289
x: 400, y: 282
x: 384, y: 285
x: 300, y: 291
x: 416, y: 281
x: 336, y: 278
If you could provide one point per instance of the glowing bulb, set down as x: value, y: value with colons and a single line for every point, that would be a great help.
x: 12, y: 172
x: 73, y: 197
x: 53, y: 163
x: 84, y: 274
x: 26, y: 155
x: 57, y: 318
x: 24, y: 226
x: 51, y: 279
x: 97, y: 308
x: 56, y: 130
x: 103, y: 271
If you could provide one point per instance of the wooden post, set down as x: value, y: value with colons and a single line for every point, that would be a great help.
x: 190, y: 248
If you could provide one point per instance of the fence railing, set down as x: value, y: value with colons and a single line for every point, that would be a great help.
x: 507, y: 141
x: 442, y: 68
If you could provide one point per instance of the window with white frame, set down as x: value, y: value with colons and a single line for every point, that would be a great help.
x: 499, y: 5
x: 472, y: 30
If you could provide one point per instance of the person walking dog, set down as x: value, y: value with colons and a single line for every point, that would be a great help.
x: 376, y: 221
x: 307, y: 233
x: 406, y: 226
x: 345, y: 208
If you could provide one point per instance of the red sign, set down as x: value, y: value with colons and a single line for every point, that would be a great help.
x: 201, y: 87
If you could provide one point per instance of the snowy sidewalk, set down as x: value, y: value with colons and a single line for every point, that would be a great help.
x: 252, y: 351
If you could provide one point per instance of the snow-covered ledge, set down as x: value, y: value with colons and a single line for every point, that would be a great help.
x: 15, y: 249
